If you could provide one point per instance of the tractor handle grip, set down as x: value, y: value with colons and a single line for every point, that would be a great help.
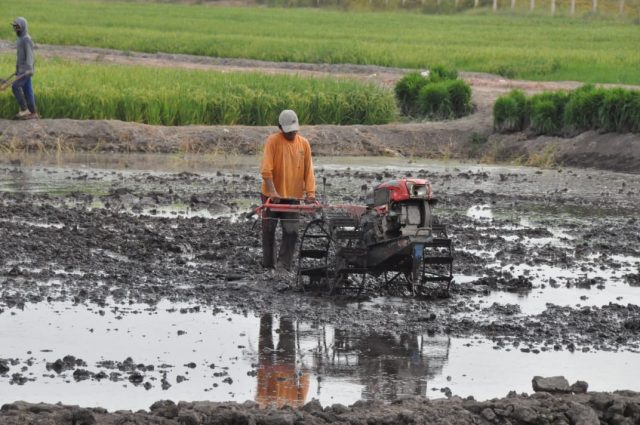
x: 278, y: 207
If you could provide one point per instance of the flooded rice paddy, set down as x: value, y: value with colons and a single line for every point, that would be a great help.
x: 126, y: 279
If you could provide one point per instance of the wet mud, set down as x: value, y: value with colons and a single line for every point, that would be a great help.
x: 622, y: 407
x: 546, y: 261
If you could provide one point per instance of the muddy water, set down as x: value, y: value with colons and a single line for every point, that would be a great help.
x: 218, y: 355
x: 552, y: 230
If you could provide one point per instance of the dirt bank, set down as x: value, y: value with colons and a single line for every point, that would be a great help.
x: 618, y: 408
x: 468, y: 138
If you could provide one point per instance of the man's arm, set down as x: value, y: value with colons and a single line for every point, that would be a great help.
x: 309, y: 175
x: 266, y: 170
x: 273, y: 193
x: 28, y: 50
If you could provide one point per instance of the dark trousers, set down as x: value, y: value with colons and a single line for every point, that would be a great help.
x: 289, y: 221
x: 23, y: 92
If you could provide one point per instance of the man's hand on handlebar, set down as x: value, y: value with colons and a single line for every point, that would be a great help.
x: 310, y: 200
x: 274, y: 197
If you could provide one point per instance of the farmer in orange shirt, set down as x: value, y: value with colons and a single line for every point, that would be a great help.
x: 287, y: 177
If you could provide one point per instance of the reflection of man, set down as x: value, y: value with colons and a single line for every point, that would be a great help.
x: 279, y: 383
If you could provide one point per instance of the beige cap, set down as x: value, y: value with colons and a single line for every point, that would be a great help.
x: 288, y: 121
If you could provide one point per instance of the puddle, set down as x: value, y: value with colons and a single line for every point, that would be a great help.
x: 480, y: 212
x: 218, y: 355
x: 34, y: 224
x: 91, y: 172
x: 564, y: 286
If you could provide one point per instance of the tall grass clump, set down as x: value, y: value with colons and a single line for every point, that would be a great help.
x: 184, y: 97
x: 582, y: 111
x: 560, y: 113
x: 437, y: 94
x: 547, y: 112
x: 620, y: 111
x: 407, y: 90
x: 510, y: 112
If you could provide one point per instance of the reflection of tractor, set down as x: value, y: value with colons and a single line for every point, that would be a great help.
x: 388, y: 366
x: 394, y: 238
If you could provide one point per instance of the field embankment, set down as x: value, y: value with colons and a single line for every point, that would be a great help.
x: 591, y: 408
x: 461, y: 139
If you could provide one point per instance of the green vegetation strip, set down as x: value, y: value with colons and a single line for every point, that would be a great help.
x: 531, y: 47
x: 561, y: 113
x: 438, y: 95
x: 179, y: 97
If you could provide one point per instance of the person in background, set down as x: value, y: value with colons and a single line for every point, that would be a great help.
x: 22, y: 87
x: 287, y: 177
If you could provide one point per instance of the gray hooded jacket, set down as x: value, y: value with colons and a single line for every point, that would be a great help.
x: 25, y: 60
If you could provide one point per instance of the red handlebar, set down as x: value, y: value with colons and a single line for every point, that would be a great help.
x: 277, y: 207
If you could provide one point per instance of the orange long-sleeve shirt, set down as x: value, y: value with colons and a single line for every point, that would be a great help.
x: 289, y: 165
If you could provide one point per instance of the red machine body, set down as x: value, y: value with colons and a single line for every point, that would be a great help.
x: 405, y: 189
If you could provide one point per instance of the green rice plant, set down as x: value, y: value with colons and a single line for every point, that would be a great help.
x: 440, y: 95
x: 515, y: 45
x: 445, y: 100
x: 582, y: 111
x: 439, y: 73
x: 510, y: 112
x: 459, y: 94
x: 434, y: 101
x: 547, y: 112
x: 586, y: 108
x: 544, y: 117
x: 407, y: 90
x: 619, y: 111
x: 185, y: 97
x: 634, y: 112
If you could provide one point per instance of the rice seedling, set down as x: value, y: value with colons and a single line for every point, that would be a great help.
x: 186, y: 97
x: 438, y: 95
x: 521, y: 46
x: 510, y: 112
x: 586, y: 108
x: 407, y: 90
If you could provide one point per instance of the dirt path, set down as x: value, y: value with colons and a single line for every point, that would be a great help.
x: 465, y: 138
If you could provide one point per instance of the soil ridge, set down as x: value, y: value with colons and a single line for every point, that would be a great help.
x: 469, y: 138
x: 620, y: 407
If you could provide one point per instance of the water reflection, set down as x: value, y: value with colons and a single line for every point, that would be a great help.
x: 281, y: 381
x: 271, y: 359
x: 387, y: 366
x: 381, y: 366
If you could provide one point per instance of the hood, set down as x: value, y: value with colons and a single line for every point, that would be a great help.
x: 24, y: 27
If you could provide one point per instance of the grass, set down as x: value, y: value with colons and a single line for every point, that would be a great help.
x: 515, y: 45
x: 583, y: 7
x: 565, y: 113
x: 66, y: 89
